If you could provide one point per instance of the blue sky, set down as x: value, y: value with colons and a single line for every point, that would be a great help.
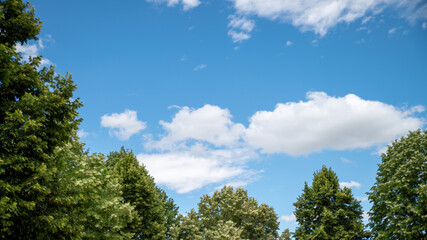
x: 253, y: 93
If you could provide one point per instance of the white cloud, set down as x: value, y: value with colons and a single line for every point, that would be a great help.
x: 238, y: 36
x: 365, y: 216
x: 325, y: 122
x: 210, y: 124
x: 289, y: 43
x: 82, y: 133
x: 345, y: 160
x: 350, y: 184
x: 380, y: 150
x: 321, y: 15
x: 366, y: 19
x: 199, y: 67
x: 289, y: 218
x: 424, y: 25
x: 197, y: 166
x: 32, y: 50
x: 362, y: 199
x: 241, y: 23
x: 187, y: 4
x: 392, y: 30
x: 123, y: 125
x: 240, y: 28
x: 201, y: 147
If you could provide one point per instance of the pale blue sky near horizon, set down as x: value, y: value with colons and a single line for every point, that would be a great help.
x: 241, y: 92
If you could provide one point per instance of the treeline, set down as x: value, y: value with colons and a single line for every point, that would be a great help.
x: 52, y: 188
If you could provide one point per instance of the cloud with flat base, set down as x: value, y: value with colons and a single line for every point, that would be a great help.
x: 123, y: 125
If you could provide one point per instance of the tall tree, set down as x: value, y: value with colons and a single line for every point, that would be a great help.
x: 325, y: 211
x: 138, y: 189
x: 37, y: 115
x: 170, y: 211
x: 399, y: 195
x: 228, y: 211
x: 85, y: 199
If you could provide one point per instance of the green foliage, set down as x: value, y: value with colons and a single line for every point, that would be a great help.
x: 87, y: 203
x: 139, y: 189
x: 286, y: 235
x: 37, y: 115
x: 399, y: 196
x: 324, y: 211
x: 17, y: 22
x: 228, y: 214
x: 170, y: 211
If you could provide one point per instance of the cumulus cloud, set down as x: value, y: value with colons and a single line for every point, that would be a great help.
x: 350, y: 184
x: 201, y: 147
x: 289, y: 43
x: 289, y: 218
x: 209, y: 123
x: 197, y: 166
x: 199, y: 67
x: 187, y: 4
x: 325, y: 122
x: 32, y: 50
x: 240, y: 28
x: 123, y: 125
x: 321, y: 15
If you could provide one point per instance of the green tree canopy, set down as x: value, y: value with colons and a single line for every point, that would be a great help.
x: 37, y: 115
x: 153, y: 208
x: 325, y: 211
x: 286, y: 235
x: 85, y: 199
x: 399, y: 195
x: 228, y: 214
x: 17, y: 22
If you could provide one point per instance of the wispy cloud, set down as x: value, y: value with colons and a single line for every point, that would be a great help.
x: 123, y: 125
x: 350, y: 184
x: 289, y: 43
x: 240, y: 28
x: 392, y: 30
x: 82, y: 133
x: 199, y: 67
x: 186, y: 4
x: 321, y: 15
x: 345, y: 160
x: 424, y: 25
x: 362, y: 199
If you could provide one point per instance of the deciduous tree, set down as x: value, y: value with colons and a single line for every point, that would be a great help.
x: 139, y: 190
x: 229, y: 212
x: 37, y: 115
x: 399, y: 195
x: 325, y: 211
